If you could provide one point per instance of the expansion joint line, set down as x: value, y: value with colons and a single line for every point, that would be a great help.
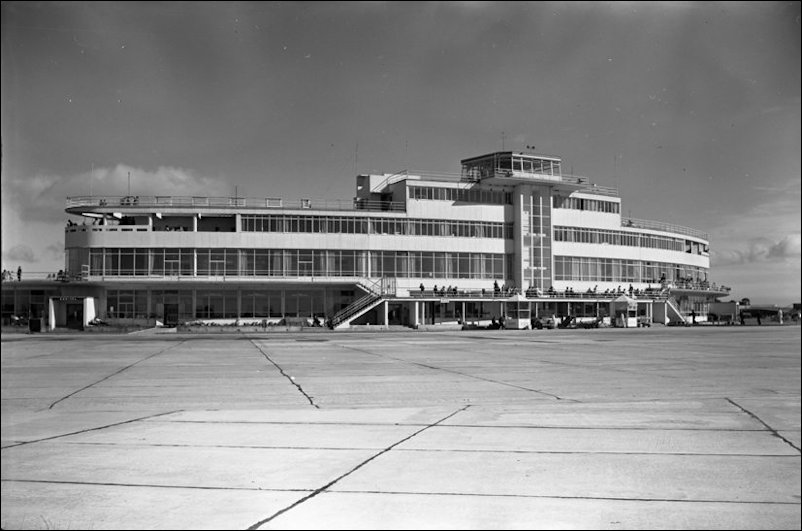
x: 129, y: 421
x: 287, y: 376
x: 357, y: 467
x: 772, y: 430
x: 115, y: 373
x: 432, y: 367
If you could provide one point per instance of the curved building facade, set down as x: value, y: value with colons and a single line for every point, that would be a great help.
x: 408, y: 250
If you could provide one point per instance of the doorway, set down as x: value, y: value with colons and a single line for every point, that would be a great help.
x: 171, y: 315
x: 75, y: 315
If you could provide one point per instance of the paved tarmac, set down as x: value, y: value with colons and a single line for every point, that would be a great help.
x: 661, y: 428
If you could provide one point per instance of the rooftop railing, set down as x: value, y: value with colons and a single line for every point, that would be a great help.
x: 456, y: 177
x: 591, y: 187
x: 60, y: 276
x: 665, y: 227
x: 230, y: 202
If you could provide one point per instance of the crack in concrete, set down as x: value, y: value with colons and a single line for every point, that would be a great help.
x: 112, y: 374
x: 432, y: 367
x: 287, y: 376
x: 357, y: 467
x: 771, y: 430
x: 91, y: 429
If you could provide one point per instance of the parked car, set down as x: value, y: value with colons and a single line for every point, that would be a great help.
x: 644, y: 321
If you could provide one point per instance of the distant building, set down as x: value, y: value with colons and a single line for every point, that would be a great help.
x: 509, y: 225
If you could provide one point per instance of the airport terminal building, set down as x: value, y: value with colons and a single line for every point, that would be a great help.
x: 510, y: 237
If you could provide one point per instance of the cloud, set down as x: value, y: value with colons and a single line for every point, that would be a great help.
x: 33, y: 214
x: 760, y: 250
x: 42, y: 197
x: 788, y: 247
x: 19, y: 253
x: 54, y: 251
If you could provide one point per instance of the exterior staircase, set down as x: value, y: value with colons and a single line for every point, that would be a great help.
x: 673, y: 313
x: 375, y: 292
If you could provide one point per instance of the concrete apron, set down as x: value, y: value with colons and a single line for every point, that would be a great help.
x: 545, y: 465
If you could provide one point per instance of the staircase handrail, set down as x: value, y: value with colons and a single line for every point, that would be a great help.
x: 354, y: 308
x: 672, y: 302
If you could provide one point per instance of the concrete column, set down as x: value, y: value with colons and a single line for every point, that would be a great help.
x: 89, y: 310
x: 386, y: 312
x: 51, y: 314
x: 415, y: 320
x: 518, y: 196
x: 239, y: 302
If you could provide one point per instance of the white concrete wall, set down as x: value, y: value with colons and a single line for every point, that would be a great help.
x: 582, y: 218
x: 436, y: 209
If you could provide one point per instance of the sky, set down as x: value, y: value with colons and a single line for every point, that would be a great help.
x: 690, y: 109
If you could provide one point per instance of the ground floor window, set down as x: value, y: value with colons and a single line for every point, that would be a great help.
x: 176, y: 306
x: 126, y: 304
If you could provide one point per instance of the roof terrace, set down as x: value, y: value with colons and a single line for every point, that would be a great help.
x: 79, y: 204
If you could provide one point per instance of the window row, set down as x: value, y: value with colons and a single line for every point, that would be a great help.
x: 614, y: 237
x: 437, y: 265
x: 188, y: 305
x: 590, y: 205
x: 296, y: 263
x: 619, y: 270
x: 465, y: 195
x: 354, y: 225
x: 693, y: 247
x: 476, y: 169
